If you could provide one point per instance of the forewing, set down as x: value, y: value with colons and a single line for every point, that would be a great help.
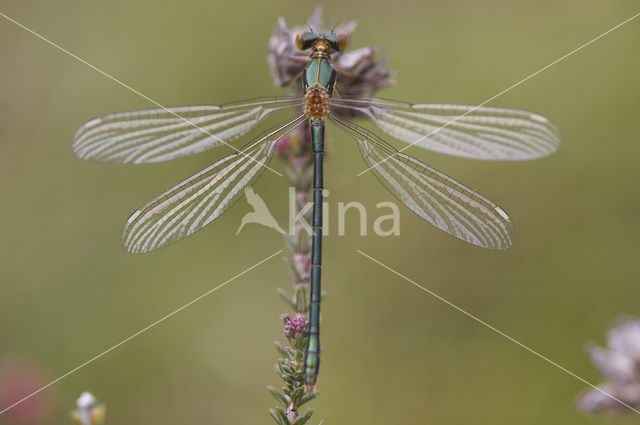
x: 197, y: 201
x: 437, y: 198
x: 163, y: 134
x: 461, y: 130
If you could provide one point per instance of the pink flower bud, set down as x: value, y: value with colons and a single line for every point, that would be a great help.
x: 295, y: 328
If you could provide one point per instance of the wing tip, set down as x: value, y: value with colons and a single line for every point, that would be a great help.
x: 502, y: 213
x: 508, y: 238
x: 91, y: 123
x: 77, y: 140
x: 125, y: 236
x: 76, y: 148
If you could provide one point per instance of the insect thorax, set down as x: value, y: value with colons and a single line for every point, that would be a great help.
x: 316, y: 102
x: 319, y: 78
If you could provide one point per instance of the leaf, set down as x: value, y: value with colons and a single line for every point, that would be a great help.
x: 281, y: 348
x: 277, y: 418
x: 304, y: 418
x: 291, y: 380
x: 287, y: 298
x: 283, y: 416
x: 307, y: 397
x: 279, y: 396
x: 301, y: 300
x: 296, y: 396
x: 293, y: 272
x: 300, y: 344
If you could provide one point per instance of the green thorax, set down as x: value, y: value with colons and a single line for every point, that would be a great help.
x: 319, y: 72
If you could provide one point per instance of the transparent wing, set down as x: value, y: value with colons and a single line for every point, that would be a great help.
x: 460, y: 130
x: 160, y: 135
x: 437, y: 198
x: 200, y: 199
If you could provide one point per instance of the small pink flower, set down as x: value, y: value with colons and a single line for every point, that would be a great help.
x: 295, y: 328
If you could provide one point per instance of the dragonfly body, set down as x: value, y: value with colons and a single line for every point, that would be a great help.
x: 319, y: 79
x: 147, y: 136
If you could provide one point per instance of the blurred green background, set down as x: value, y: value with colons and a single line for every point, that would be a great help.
x: 393, y: 354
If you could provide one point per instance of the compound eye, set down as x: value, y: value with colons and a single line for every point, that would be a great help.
x: 299, y: 38
x: 343, y: 40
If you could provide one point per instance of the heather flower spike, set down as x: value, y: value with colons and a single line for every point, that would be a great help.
x: 89, y: 411
x: 361, y: 72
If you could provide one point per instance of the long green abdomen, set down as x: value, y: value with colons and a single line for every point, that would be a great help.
x: 312, y: 355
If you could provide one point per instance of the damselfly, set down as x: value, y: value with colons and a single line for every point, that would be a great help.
x: 163, y: 134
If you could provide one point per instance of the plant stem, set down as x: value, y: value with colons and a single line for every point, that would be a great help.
x: 295, y: 150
